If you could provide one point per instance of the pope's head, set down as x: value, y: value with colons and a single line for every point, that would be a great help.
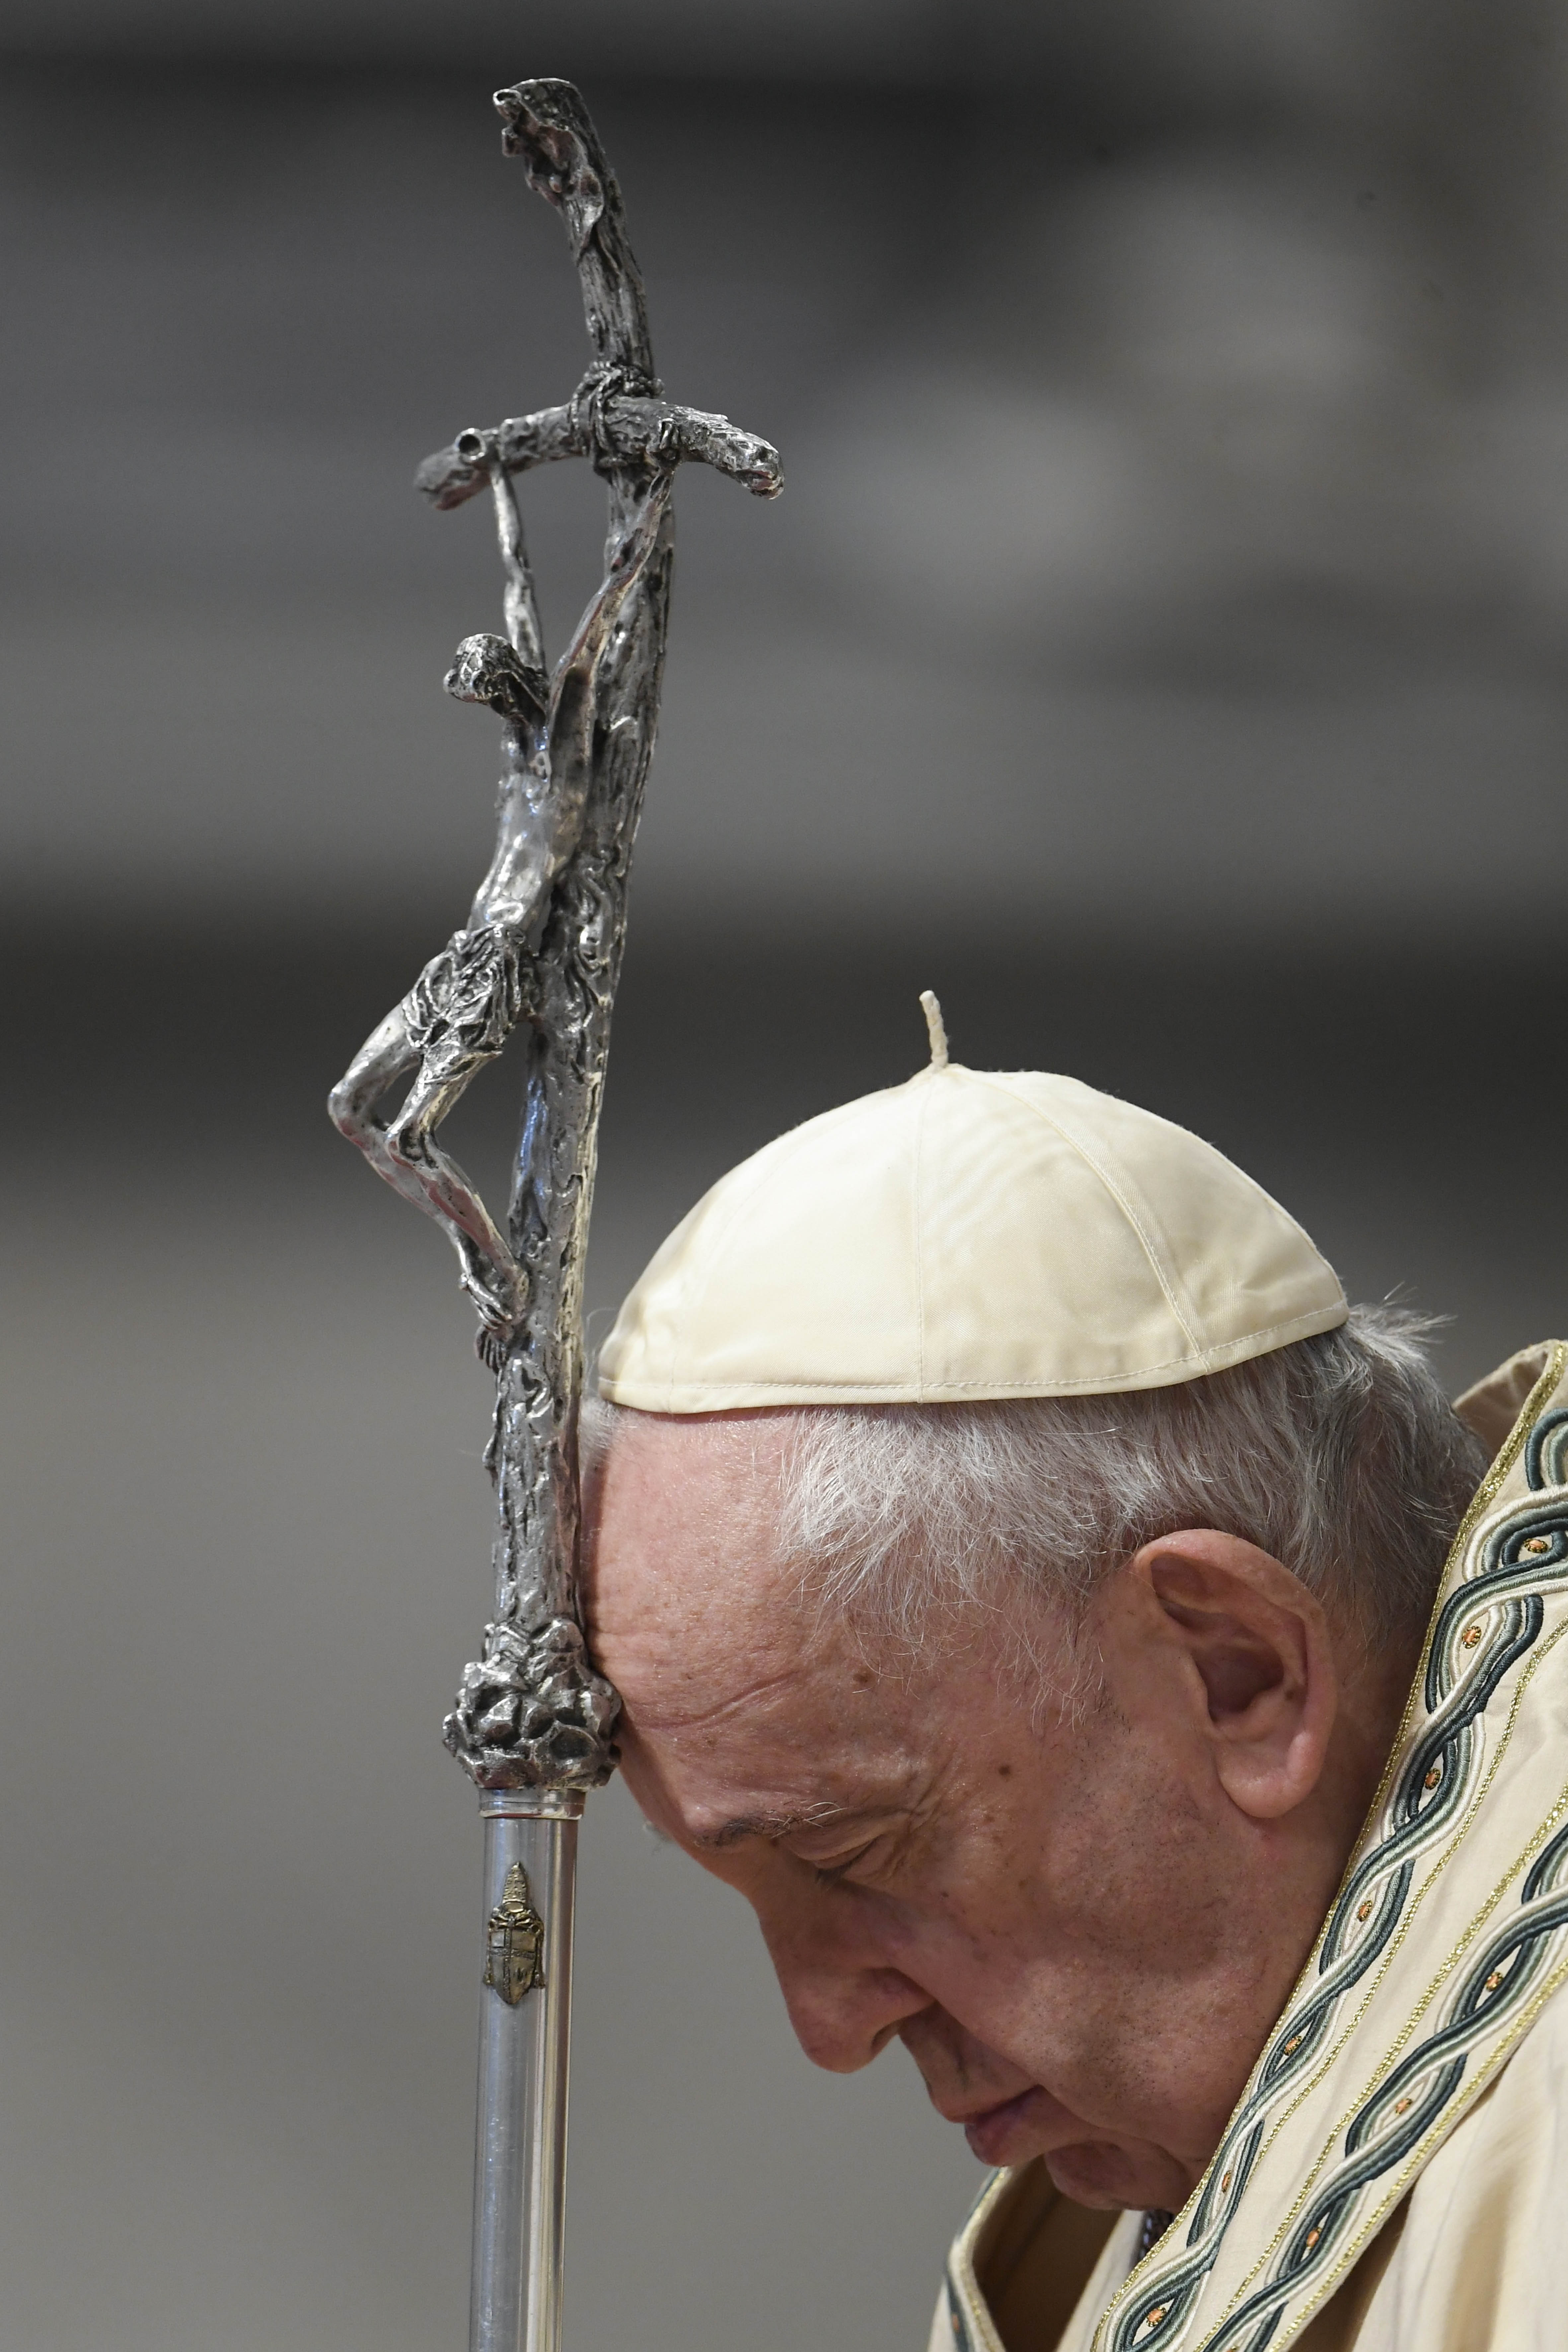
x: 1013, y: 1557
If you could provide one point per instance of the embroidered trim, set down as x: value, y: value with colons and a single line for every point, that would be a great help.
x: 1399, y: 2115
x: 967, y: 2314
x: 1484, y: 1628
x: 1451, y: 1960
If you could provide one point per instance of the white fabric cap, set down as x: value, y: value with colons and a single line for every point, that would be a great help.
x: 972, y: 1234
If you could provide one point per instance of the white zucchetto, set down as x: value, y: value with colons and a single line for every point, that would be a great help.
x: 973, y: 1233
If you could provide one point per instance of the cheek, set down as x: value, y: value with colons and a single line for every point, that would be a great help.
x: 1141, y: 1886
x: 1062, y: 1900
x: 1104, y: 1864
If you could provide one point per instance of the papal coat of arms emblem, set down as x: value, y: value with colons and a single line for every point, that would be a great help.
x: 514, y: 1948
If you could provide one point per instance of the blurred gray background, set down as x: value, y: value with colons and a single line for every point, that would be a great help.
x: 1159, y: 649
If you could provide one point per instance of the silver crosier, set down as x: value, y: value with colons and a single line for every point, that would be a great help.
x: 541, y: 953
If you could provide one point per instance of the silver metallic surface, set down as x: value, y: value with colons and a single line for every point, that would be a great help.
x: 532, y: 1804
x: 519, y: 2156
x: 542, y: 946
x: 637, y: 431
x: 540, y: 949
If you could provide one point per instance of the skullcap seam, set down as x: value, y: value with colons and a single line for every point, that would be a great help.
x: 762, y: 1166
x: 1165, y: 1280
x: 922, y: 1109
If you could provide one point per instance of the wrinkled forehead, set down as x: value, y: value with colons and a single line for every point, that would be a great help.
x: 740, y: 1691
x: 679, y: 1534
x: 740, y: 1696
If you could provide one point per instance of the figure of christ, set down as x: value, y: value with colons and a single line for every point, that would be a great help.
x: 465, y: 1004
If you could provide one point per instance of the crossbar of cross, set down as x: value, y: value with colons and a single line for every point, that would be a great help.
x: 631, y: 432
x: 541, y: 951
x: 542, y: 941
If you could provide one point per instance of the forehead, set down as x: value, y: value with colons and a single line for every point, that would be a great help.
x: 681, y: 1514
x: 693, y: 1616
x: 685, y: 1596
x: 743, y: 1700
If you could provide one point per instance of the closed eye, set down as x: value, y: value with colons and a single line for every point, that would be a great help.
x: 832, y: 1873
x: 861, y: 1862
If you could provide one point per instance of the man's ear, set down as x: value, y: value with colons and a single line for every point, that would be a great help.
x: 1251, y: 1646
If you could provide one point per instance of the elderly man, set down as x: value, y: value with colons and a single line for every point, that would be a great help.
x: 1108, y: 1666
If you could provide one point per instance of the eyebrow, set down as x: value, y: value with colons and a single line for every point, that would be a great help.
x: 772, y: 1826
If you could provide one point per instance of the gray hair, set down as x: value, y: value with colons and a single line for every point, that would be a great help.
x: 1339, y: 1454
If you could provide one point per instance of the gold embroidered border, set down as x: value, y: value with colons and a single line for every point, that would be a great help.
x: 1457, y: 2108
x: 1292, y: 2323
x: 1488, y: 1492
x: 1537, y: 1839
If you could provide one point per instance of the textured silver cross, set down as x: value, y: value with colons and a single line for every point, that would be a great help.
x: 542, y: 947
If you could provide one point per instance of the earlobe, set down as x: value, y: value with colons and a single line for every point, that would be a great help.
x: 1253, y: 1645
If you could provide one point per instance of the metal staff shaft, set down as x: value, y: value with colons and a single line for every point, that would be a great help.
x: 519, y: 2157
x: 533, y: 1723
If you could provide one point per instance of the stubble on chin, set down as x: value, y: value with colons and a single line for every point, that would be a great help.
x: 1106, y: 2177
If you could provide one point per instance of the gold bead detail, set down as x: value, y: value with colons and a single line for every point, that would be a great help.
x: 1535, y: 1546
x: 1363, y: 1910
x: 1433, y: 1776
x: 1470, y: 1636
x: 1400, y: 2105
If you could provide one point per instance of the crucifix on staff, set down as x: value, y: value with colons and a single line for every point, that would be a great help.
x: 540, y: 950
x: 1102, y: 1655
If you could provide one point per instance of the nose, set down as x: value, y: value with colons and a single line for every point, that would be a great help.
x: 845, y: 2000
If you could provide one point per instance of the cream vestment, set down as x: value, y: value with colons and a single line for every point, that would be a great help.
x: 1396, y: 2175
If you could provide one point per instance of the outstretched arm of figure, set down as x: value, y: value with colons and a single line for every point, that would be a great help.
x: 466, y: 1002
x: 519, y: 602
x: 459, y: 1010
x: 508, y: 674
